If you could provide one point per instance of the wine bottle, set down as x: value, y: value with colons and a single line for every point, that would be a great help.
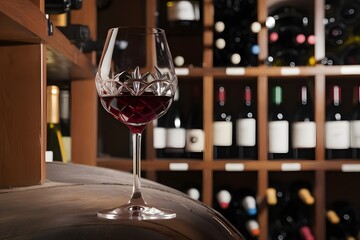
x: 271, y: 196
x: 253, y: 227
x: 184, y: 19
x: 288, y: 45
x: 223, y: 198
x: 222, y: 127
x: 276, y: 196
x: 349, y: 12
x: 246, y: 128
x: 65, y: 121
x: 304, y: 128
x: 76, y: 4
x: 337, y: 127
x: 194, y: 193
x: 242, y: 213
x: 277, y: 231
x: 355, y: 126
x: 304, y: 229
x: 76, y: 33
x: 60, y: 10
x: 336, y: 33
x: 249, y: 204
x: 301, y: 192
x: 57, y: 6
x: 175, y: 130
x: 233, y: 37
x: 342, y: 220
x: 342, y: 35
x: 350, y: 54
x: 54, y: 137
x: 295, y: 223
x: 183, y: 13
x: 194, y: 146
x: 278, y: 127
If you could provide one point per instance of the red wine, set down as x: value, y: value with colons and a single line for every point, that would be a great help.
x: 136, y: 111
x: 246, y: 128
x: 337, y: 127
x: 303, y: 128
x: 222, y: 127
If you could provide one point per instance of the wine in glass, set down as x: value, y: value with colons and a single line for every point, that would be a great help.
x: 136, y: 83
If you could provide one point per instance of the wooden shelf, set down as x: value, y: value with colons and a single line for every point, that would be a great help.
x: 23, y: 22
x: 30, y: 56
x: 234, y: 165
x: 234, y: 72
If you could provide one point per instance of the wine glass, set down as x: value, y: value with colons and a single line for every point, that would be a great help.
x: 136, y: 83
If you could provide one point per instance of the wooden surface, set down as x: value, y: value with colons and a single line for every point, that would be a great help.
x: 65, y: 208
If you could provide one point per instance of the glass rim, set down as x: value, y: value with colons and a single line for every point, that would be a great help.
x: 136, y: 30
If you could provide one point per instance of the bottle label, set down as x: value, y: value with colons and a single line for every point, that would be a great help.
x: 182, y: 10
x: 222, y: 133
x: 175, y: 137
x: 337, y: 134
x: 303, y: 135
x: 246, y: 132
x: 159, y: 137
x: 194, y: 140
x: 355, y: 134
x: 278, y: 136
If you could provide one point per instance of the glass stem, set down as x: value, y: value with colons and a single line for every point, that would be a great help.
x: 136, y: 197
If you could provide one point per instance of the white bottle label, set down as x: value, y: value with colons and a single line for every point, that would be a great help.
x: 355, y: 134
x: 279, y: 136
x: 303, y: 134
x: 175, y: 137
x: 194, y: 140
x: 181, y: 10
x: 337, y: 134
x: 222, y: 133
x: 246, y: 132
x: 159, y: 137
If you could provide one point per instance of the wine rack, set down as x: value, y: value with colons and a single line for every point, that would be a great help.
x: 327, y: 177
x: 257, y: 174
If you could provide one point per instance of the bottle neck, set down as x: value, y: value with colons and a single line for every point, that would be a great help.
x: 52, y: 106
x: 221, y: 96
x: 304, y: 99
x: 336, y: 95
x: 64, y: 105
x: 357, y: 94
x: 247, y: 96
x: 277, y: 95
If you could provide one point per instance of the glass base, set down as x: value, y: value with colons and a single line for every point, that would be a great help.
x: 136, y: 212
